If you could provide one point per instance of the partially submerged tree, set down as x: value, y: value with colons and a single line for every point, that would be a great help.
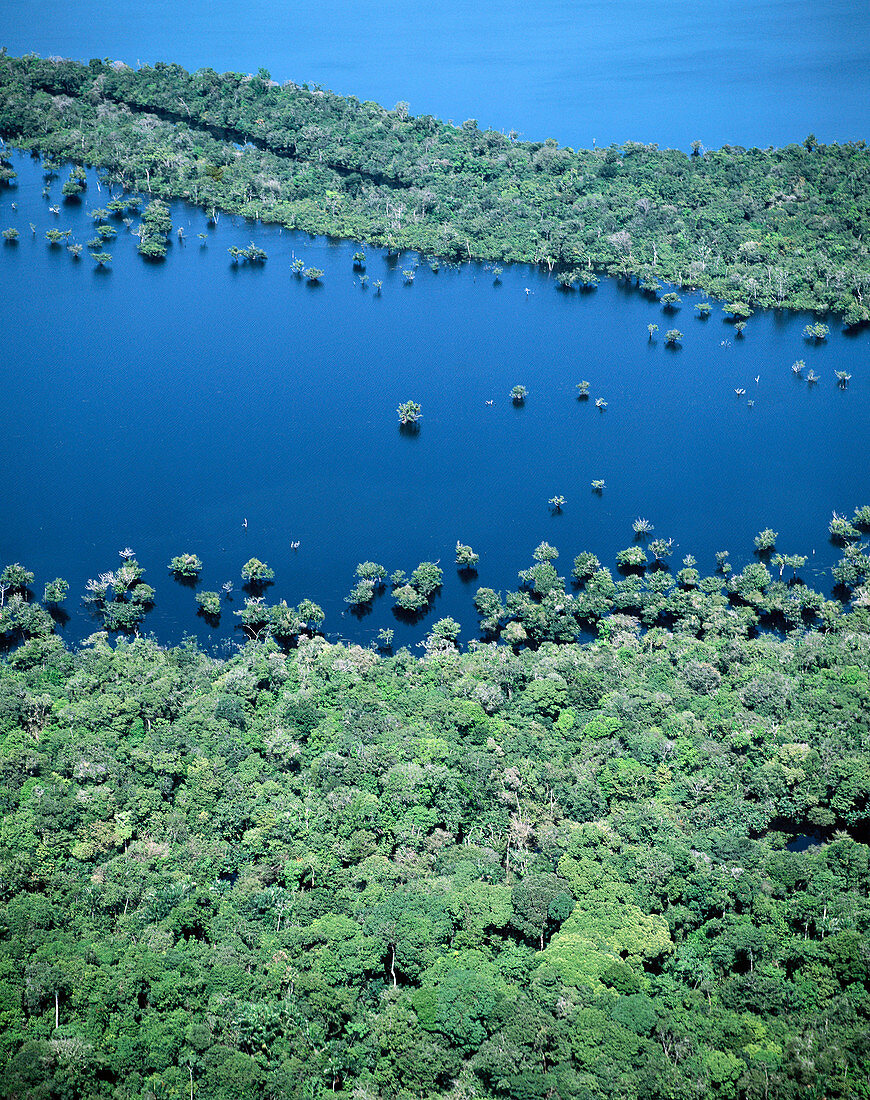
x: 186, y: 565
x: 466, y: 557
x: 409, y: 413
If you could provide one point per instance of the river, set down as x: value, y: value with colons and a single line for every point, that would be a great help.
x: 160, y: 406
x: 746, y: 72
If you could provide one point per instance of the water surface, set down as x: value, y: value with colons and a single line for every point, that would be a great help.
x: 747, y: 72
x: 158, y: 406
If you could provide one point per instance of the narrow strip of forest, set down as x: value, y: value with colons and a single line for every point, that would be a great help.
x: 775, y: 228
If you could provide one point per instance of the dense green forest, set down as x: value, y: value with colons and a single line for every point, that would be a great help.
x: 773, y: 227
x: 534, y: 869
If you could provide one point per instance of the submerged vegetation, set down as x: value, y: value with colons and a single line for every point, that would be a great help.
x: 776, y: 227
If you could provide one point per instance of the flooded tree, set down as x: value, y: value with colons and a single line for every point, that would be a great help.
x: 409, y: 413
x: 765, y: 540
x: 256, y: 572
x: 210, y: 603
x: 466, y: 557
x: 186, y: 565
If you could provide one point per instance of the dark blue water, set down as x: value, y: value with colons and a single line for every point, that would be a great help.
x: 157, y: 406
x: 746, y: 72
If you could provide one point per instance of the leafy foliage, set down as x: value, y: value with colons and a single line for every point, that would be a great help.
x: 772, y: 227
x: 315, y: 869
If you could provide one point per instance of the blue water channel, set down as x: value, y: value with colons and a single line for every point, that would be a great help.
x: 745, y: 72
x: 159, y: 406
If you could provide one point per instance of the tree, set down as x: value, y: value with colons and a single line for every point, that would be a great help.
x: 408, y: 598
x: 427, y: 578
x: 56, y: 591
x: 556, y: 503
x: 257, y: 619
x: 313, y: 274
x: 311, y: 614
x: 447, y: 631
x: 102, y: 258
x: 209, y: 603
x: 257, y: 573
x: 156, y: 218
x: 703, y: 310
x: 362, y: 594
x: 583, y: 388
x: 652, y: 330
x: 793, y: 561
x: 490, y: 609
x: 466, y: 558
x: 765, y: 540
x: 585, y: 565
x: 16, y: 577
x: 633, y: 557
x: 673, y: 336
x: 544, y: 552
x: 670, y: 301
x: 186, y: 565
x: 409, y: 413
x: 661, y: 548
x: 371, y: 572
x: 861, y: 517
x: 841, y: 529
x: 540, y: 903
x: 76, y: 184
x: 519, y: 394
x: 688, y: 576
x: 154, y: 230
